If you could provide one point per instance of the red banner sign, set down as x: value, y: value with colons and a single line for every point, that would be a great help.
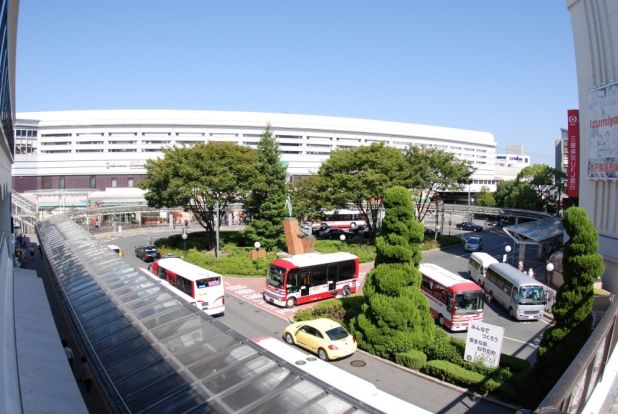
x: 573, y: 153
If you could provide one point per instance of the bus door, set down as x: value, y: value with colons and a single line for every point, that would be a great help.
x: 305, y: 280
x: 333, y: 277
x: 292, y: 284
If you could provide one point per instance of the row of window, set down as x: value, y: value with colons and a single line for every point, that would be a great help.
x: 46, y: 182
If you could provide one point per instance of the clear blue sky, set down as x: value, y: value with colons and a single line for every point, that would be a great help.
x: 505, y: 67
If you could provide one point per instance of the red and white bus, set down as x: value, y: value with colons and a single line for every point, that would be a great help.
x: 203, y: 287
x: 341, y: 219
x: 454, y: 300
x: 311, y: 276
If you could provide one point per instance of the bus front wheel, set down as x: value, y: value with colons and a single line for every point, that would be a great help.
x: 290, y: 303
x: 512, y: 313
x: 441, y: 321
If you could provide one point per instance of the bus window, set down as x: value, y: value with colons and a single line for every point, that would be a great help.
x: 161, y: 273
x: 184, y: 285
x: 305, y: 276
x: 333, y: 272
x: 208, y: 282
x: 292, y: 283
x: 318, y: 275
x: 347, y: 270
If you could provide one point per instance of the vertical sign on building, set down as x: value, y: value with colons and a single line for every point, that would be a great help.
x: 573, y: 153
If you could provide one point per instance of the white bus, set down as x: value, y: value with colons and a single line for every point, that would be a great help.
x: 520, y: 294
x: 477, y: 266
x: 347, y: 383
x: 341, y: 219
x: 454, y: 301
x: 203, y: 287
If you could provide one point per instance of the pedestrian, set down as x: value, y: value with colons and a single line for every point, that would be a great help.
x: 68, y: 352
x: 531, y: 273
x: 85, y: 374
x: 31, y: 248
x: 40, y: 250
x: 520, y: 266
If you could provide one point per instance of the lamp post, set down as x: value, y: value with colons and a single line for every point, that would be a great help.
x: 342, y: 238
x: 507, y: 250
x: 184, y: 241
x: 549, y: 268
x: 257, y: 251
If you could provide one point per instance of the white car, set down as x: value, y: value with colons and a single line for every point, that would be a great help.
x: 474, y: 244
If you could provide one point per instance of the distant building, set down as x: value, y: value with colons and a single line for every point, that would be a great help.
x: 509, y: 164
x: 82, y: 152
x: 562, y: 148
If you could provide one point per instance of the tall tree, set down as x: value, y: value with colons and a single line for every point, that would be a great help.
x: 485, y: 198
x: 306, y: 197
x: 546, y: 183
x: 517, y: 194
x: 572, y: 311
x: 360, y: 176
x: 267, y: 202
x: 433, y: 170
x: 199, y: 178
x: 395, y: 316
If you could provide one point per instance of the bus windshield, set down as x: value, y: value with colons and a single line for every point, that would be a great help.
x: 531, y: 295
x: 275, y: 277
x: 468, y: 302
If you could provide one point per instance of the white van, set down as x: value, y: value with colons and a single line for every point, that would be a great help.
x: 477, y: 267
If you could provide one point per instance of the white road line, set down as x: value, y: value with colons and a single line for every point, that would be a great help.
x: 522, y: 342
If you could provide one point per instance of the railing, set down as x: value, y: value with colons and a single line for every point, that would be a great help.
x: 574, y: 388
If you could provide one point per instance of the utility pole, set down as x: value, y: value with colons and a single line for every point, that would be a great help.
x: 217, y: 229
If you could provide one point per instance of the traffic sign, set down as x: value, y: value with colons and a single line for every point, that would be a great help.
x: 484, y: 343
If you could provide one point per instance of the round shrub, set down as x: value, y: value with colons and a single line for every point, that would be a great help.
x: 412, y: 359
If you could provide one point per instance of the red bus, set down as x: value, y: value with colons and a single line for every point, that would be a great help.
x: 454, y: 301
x: 197, y: 285
x: 311, y: 276
x: 341, y: 219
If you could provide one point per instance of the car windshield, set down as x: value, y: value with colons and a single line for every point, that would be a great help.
x: 474, y: 240
x: 150, y: 249
x: 275, y: 277
x: 531, y: 295
x: 468, y: 302
x: 337, y: 333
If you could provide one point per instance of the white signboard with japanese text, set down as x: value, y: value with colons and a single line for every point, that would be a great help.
x: 484, y: 343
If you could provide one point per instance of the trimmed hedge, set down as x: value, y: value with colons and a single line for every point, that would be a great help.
x: 340, y: 310
x: 453, y: 373
x: 412, y: 359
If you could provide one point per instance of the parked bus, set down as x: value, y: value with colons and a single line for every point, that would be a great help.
x: 200, y: 285
x: 453, y: 300
x: 477, y: 266
x: 342, y: 219
x: 311, y: 276
x: 371, y: 398
x: 520, y: 294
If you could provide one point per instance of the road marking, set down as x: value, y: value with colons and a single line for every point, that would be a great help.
x: 522, y: 342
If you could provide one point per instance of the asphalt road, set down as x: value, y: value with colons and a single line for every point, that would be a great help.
x: 253, y: 321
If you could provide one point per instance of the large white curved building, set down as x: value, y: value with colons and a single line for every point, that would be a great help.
x: 104, y: 149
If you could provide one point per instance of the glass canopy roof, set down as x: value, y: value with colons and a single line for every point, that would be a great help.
x: 154, y: 353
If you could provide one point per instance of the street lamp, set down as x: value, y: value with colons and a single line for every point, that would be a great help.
x: 342, y: 238
x: 507, y: 250
x: 549, y: 268
x: 257, y: 251
x: 184, y: 241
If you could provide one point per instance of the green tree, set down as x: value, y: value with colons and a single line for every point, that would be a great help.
x: 517, y: 194
x: 572, y: 310
x: 432, y: 170
x: 546, y: 182
x: 360, y: 176
x: 395, y: 317
x: 306, y: 197
x: 200, y: 178
x: 485, y: 198
x: 266, y: 203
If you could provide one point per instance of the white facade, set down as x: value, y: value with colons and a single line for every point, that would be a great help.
x: 509, y: 164
x: 595, y: 33
x: 118, y: 142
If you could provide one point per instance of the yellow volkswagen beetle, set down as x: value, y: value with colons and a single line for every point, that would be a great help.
x: 324, y: 337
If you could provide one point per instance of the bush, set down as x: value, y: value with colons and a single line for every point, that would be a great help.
x: 366, y: 252
x: 412, y: 359
x: 453, y: 373
x: 340, y: 310
x: 443, y: 348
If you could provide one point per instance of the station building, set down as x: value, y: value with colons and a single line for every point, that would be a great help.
x: 105, y: 150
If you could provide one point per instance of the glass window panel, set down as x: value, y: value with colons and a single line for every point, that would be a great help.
x: 115, y: 338
x: 246, y: 371
x: 134, y: 362
x: 175, y: 313
x: 102, y: 319
x: 108, y: 328
x: 148, y: 300
x: 129, y: 296
x: 186, y: 325
x: 181, y: 403
x: 161, y: 307
x: 93, y: 313
x: 146, y: 377
x: 212, y: 345
x: 83, y: 285
x: 244, y: 396
x: 156, y: 391
x: 291, y: 399
x: 122, y: 350
x: 87, y: 302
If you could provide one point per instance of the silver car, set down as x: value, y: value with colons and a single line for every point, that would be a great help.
x: 474, y: 244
